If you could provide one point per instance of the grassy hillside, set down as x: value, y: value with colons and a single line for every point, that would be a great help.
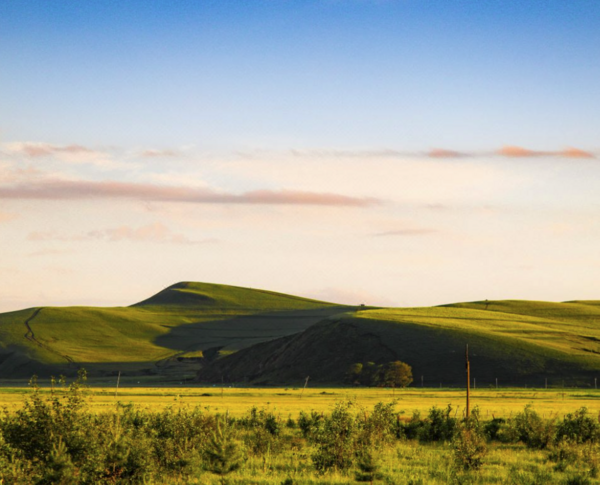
x: 183, y: 324
x: 518, y: 342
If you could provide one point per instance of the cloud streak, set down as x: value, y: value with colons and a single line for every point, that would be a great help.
x: 509, y: 151
x: 111, y: 190
x: 150, y: 153
x: 155, y: 232
x: 71, y: 152
x: 512, y: 151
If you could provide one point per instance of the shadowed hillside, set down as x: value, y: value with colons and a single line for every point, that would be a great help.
x: 518, y: 342
x: 172, y: 332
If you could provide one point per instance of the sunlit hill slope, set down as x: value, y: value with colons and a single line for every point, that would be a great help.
x: 185, y: 324
x: 516, y: 342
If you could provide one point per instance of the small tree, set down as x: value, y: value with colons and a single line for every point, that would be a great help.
x: 368, y: 468
x: 395, y: 374
x: 223, y: 453
x: 353, y: 374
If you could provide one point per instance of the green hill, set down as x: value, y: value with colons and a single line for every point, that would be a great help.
x: 518, y: 342
x: 185, y: 324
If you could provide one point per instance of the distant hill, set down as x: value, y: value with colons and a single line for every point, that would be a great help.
x: 518, y: 342
x: 173, y: 332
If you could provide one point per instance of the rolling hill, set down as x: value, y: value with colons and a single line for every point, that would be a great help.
x: 220, y: 332
x: 173, y: 332
x: 518, y: 342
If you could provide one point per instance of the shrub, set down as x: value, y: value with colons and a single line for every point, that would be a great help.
x: 439, y: 425
x: 492, y: 429
x: 533, y: 430
x: 223, y: 453
x: 469, y: 444
x: 379, y: 427
x: 335, y: 441
x: 368, y: 467
x: 579, y: 427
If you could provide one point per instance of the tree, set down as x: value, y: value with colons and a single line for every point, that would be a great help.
x: 353, y: 373
x: 395, y: 374
x: 223, y: 453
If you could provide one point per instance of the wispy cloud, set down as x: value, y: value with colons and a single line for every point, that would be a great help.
x: 445, y: 153
x: 151, y: 153
x: 156, y: 232
x: 512, y: 151
x: 84, y: 189
x: 35, y: 150
x: 73, y: 154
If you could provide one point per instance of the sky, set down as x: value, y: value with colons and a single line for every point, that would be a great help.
x: 387, y: 152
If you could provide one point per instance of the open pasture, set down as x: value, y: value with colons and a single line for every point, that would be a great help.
x: 290, y: 401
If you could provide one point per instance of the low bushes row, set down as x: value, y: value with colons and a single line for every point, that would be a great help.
x: 56, y: 438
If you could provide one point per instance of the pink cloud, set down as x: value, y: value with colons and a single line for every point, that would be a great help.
x: 444, y: 153
x: 575, y: 153
x: 35, y: 150
x: 83, y: 189
x: 520, y: 152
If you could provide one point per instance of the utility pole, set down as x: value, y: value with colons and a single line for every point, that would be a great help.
x: 118, y: 379
x: 468, y: 411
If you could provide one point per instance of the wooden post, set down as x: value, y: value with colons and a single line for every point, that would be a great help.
x: 468, y: 410
x: 546, y: 383
x: 305, y: 384
x: 118, y: 380
x: 496, y: 383
x: 421, y: 381
x: 595, y: 383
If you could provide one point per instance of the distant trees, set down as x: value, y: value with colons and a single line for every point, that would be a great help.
x: 396, y: 374
x: 392, y: 374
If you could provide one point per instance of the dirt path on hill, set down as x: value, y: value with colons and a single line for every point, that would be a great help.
x: 29, y: 335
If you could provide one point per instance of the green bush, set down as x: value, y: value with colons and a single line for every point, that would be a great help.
x: 439, y: 425
x: 469, y: 444
x: 579, y: 427
x: 336, y: 440
x: 533, y: 430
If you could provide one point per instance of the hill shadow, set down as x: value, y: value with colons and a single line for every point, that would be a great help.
x: 243, y: 330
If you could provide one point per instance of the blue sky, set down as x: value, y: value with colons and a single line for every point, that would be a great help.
x: 372, y: 112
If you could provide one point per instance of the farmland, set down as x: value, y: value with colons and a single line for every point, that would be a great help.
x: 290, y: 401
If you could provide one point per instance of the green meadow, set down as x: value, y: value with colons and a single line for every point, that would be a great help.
x: 284, y: 402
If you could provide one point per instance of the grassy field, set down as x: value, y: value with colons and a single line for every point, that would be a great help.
x: 290, y: 401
